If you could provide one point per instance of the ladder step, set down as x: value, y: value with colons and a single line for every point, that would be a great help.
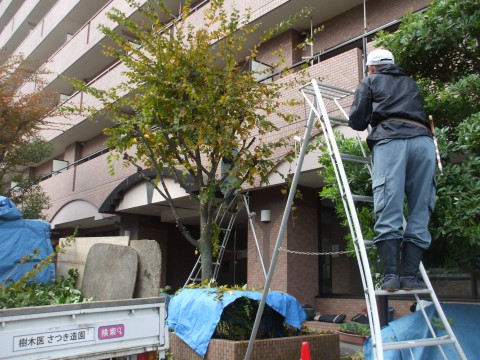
x: 356, y: 158
x: 402, y: 292
x: 443, y: 340
x: 362, y: 198
x: 338, y: 121
x: 367, y: 243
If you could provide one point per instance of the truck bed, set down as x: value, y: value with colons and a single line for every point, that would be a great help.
x: 93, y: 330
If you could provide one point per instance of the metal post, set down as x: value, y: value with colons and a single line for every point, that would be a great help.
x: 281, y: 233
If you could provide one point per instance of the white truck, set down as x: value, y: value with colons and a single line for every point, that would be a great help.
x: 92, y: 330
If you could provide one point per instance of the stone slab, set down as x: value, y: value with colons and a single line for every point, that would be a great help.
x: 76, y: 254
x: 110, y: 272
x: 149, y: 268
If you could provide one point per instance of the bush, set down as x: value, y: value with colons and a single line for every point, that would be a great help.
x: 355, y: 328
x: 60, y: 291
x: 237, y: 319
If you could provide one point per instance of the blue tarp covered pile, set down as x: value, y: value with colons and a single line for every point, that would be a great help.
x: 19, y: 238
x: 466, y: 327
x: 194, y: 313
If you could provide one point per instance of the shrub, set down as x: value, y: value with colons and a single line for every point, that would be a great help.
x: 355, y: 328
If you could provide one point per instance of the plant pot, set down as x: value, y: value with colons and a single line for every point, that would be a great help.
x: 353, y: 339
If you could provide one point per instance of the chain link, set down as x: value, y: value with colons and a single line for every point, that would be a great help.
x: 317, y: 253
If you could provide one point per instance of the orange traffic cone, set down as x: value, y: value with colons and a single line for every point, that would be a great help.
x: 305, y: 351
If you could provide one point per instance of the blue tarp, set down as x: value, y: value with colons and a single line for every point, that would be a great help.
x: 466, y: 327
x: 19, y: 238
x: 194, y: 313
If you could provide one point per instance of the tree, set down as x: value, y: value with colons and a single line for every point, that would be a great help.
x: 192, y: 105
x: 30, y: 197
x: 22, y: 116
x: 440, y: 49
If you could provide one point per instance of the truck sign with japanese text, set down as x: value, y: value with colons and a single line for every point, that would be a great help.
x: 91, y: 330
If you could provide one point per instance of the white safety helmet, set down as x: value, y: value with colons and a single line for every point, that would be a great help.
x: 380, y: 57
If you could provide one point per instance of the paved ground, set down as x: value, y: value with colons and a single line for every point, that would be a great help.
x: 348, y: 349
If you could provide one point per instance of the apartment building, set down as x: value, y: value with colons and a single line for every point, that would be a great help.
x: 63, y: 37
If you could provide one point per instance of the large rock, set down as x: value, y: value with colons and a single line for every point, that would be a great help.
x: 75, y: 255
x: 110, y: 272
x: 149, y: 269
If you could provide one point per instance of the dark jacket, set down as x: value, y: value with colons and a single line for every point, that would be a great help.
x: 388, y: 94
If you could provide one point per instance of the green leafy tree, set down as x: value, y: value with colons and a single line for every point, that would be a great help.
x: 192, y: 103
x: 455, y: 225
x: 30, y: 197
x: 22, y: 116
x: 441, y: 44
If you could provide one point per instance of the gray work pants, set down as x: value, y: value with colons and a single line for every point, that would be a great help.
x: 404, y: 167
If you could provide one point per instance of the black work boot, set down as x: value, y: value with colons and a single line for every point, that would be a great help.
x: 411, y: 257
x: 389, y: 251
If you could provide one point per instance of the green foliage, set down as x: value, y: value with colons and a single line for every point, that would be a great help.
x: 438, y: 324
x: 29, y: 197
x: 359, y: 181
x: 450, y: 103
x: 355, y: 328
x: 237, y: 319
x: 61, y: 291
x: 213, y: 286
x: 24, y: 292
x: 441, y: 44
x: 455, y: 224
x: 192, y: 102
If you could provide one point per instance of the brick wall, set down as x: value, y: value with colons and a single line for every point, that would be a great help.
x: 89, y: 181
x: 273, y: 200
x: 326, y: 347
x: 302, y: 271
x: 94, y: 144
x: 286, y: 43
x: 350, y: 24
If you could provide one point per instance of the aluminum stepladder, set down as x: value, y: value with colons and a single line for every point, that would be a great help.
x: 225, y: 218
x: 314, y: 94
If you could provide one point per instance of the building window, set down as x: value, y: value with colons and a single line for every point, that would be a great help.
x: 338, y: 273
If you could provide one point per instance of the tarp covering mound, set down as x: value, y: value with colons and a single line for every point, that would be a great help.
x: 20, y: 238
x: 466, y: 320
x: 194, y: 313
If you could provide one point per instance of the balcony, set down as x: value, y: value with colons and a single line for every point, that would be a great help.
x: 83, y: 53
x: 7, y: 9
x: 60, y: 24
x: 28, y: 16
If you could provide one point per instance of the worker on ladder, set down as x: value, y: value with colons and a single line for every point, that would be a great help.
x: 403, y: 161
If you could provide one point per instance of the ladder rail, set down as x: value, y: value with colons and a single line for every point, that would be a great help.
x: 320, y: 91
x: 281, y: 233
x: 250, y: 216
x: 370, y: 291
x: 196, y: 270
x: 348, y: 211
x: 357, y: 135
x: 348, y: 215
x: 221, y: 250
x: 429, y: 324
x: 219, y: 219
x: 441, y: 313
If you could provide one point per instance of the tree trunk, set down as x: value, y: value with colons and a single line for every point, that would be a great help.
x: 205, y: 242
